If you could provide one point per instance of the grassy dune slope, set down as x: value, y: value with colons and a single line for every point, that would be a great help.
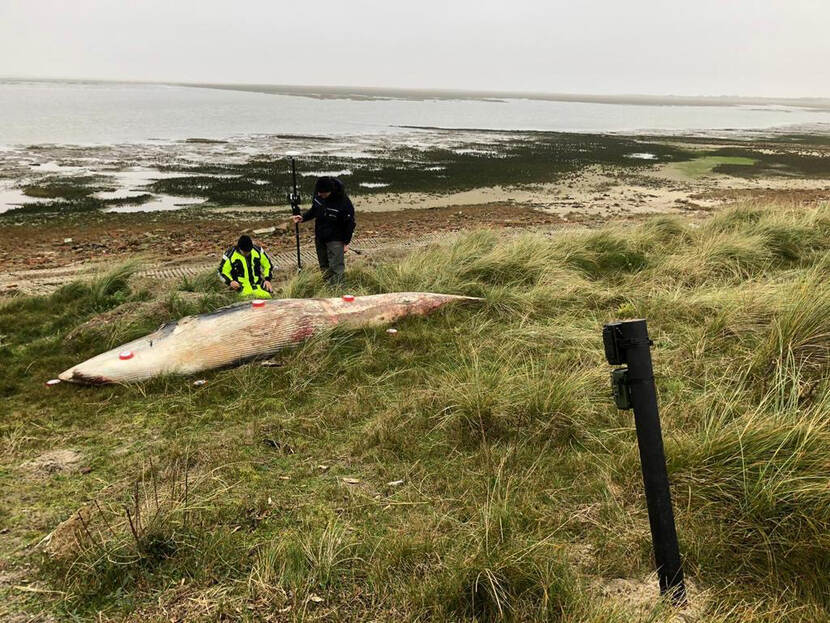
x: 275, y: 493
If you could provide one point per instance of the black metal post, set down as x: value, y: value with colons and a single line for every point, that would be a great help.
x: 294, y: 200
x: 628, y: 343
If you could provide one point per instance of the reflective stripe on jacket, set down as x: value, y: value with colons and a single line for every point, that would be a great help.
x: 249, y: 271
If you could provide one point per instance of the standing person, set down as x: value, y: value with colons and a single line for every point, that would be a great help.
x: 333, y: 227
x: 246, y: 268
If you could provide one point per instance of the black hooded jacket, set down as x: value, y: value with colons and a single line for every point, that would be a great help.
x: 334, y: 215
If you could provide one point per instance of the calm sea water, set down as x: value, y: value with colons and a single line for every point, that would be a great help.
x: 135, y: 127
x: 95, y: 113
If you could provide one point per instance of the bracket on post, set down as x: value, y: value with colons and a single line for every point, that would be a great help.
x: 619, y: 385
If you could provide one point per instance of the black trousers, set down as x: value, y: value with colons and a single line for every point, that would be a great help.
x: 331, y: 256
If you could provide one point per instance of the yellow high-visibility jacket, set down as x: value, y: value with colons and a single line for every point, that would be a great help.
x: 251, y: 272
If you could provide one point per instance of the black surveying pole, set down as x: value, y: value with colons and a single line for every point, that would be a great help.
x: 628, y: 343
x: 294, y: 199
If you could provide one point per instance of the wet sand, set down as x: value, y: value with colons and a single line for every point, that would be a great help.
x: 594, y: 192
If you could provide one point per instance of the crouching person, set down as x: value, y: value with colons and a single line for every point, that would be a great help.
x: 246, y: 268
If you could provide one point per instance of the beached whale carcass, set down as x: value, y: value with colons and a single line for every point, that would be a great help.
x: 245, y: 331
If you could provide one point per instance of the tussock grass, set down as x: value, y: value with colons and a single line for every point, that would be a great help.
x: 469, y: 467
x: 295, y: 567
x: 132, y: 530
x: 800, y: 332
x: 761, y: 465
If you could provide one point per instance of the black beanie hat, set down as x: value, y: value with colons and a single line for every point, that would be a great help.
x: 325, y: 184
x: 245, y: 243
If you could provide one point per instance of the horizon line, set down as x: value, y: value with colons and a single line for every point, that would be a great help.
x: 377, y: 92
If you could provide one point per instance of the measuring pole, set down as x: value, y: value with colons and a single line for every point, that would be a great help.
x: 628, y: 343
x: 294, y: 200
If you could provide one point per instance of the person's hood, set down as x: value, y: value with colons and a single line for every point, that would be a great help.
x: 339, y: 188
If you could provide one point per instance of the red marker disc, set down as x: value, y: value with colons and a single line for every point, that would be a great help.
x: 124, y: 355
x: 349, y: 298
x: 258, y: 303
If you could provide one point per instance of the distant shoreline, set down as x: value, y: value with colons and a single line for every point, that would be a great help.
x: 380, y: 93
x: 393, y: 93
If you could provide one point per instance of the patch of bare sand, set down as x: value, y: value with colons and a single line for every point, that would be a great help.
x: 595, y: 192
x: 641, y: 597
x: 592, y: 193
x: 54, y: 461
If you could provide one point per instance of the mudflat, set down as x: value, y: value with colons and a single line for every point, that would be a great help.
x: 78, y: 208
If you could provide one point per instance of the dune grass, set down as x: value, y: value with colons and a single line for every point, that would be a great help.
x: 469, y: 467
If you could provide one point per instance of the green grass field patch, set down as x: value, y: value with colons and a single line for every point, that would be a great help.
x: 705, y: 165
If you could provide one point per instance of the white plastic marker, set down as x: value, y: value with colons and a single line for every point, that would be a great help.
x: 199, y: 382
x: 51, y: 382
x: 391, y: 331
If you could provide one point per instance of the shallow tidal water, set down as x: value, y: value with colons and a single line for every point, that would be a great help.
x: 36, y: 112
x: 129, y: 135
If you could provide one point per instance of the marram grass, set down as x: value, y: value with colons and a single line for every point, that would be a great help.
x: 469, y: 467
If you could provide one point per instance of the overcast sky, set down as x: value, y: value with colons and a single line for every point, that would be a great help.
x: 697, y: 47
